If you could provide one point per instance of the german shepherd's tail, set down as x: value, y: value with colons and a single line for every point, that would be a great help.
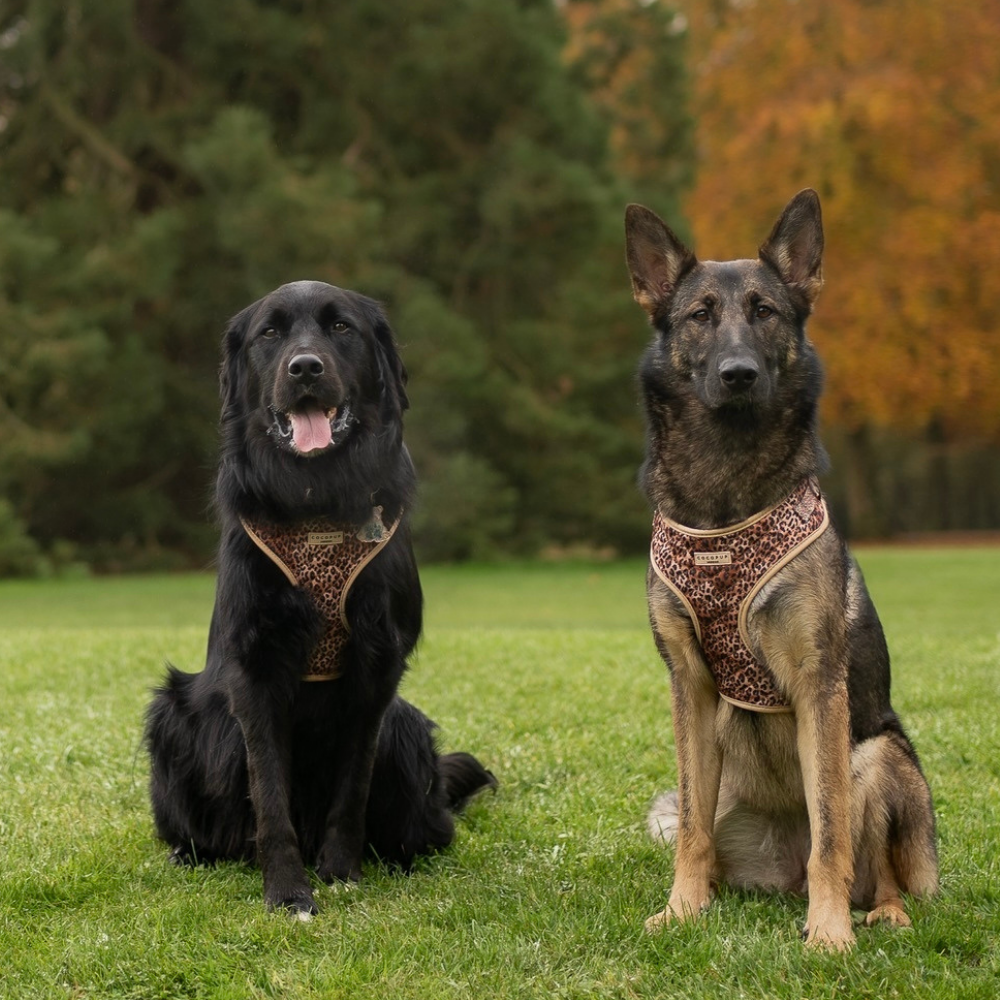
x: 662, y: 819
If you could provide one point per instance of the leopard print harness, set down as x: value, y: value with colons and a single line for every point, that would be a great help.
x: 324, y: 559
x: 716, y: 574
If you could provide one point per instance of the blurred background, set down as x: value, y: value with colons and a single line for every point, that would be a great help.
x: 467, y: 162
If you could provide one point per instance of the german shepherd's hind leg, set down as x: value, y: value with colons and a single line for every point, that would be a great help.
x: 893, y: 829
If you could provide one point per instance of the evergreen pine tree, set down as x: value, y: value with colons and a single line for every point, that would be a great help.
x: 164, y: 163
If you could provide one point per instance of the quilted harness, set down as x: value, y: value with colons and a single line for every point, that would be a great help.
x: 716, y: 573
x: 324, y: 559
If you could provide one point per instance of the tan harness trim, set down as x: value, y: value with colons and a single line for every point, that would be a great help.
x: 716, y: 573
x: 323, y: 559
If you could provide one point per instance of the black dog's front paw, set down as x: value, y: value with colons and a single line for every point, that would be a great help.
x: 297, y: 902
x: 183, y: 855
x: 337, y: 864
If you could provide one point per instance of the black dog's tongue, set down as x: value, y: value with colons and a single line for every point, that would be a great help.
x: 311, y: 429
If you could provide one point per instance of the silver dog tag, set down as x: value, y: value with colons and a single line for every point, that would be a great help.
x: 374, y: 530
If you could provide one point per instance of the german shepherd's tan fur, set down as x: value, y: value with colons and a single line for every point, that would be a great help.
x: 828, y: 800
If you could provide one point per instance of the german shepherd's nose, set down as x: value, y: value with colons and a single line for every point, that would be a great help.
x: 738, y: 374
x: 305, y: 368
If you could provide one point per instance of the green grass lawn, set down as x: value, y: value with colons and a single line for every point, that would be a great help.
x: 548, y: 673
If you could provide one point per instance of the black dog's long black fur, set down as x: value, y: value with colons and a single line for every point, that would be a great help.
x: 248, y: 761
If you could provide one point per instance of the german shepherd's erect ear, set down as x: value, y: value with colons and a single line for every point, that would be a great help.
x: 657, y: 259
x: 795, y: 247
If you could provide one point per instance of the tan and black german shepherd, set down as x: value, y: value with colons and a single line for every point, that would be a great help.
x: 794, y: 771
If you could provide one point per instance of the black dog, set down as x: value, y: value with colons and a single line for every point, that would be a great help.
x: 292, y: 743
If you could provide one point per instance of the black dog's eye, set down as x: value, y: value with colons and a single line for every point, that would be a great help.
x: 700, y: 315
x: 340, y: 327
x: 762, y: 312
x: 269, y: 332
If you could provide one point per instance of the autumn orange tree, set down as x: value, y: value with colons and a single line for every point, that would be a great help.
x: 626, y: 54
x: 892, y: 111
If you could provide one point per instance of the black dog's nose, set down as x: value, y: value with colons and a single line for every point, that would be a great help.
x: 738, y: 375
x: 305, y: 368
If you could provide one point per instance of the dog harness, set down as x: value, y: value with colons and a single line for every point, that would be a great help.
x: 323, y: 559
x: 716, y: 573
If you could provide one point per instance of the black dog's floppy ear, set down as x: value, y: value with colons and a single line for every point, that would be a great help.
x: 391, y: 371
x: 795, y: 247
x: 657, y: 259
x: 232, y: 373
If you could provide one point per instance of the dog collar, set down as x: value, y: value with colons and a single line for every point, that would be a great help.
x: 716, y: 573
x: 323, y: 558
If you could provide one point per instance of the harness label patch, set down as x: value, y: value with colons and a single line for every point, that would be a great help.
x: 325, y: 538
x: 713, y: 558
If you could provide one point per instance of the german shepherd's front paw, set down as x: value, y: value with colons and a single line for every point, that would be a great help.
x: 658, y: 921
x: 828, y: 925
x: 680, y: 908
x: 829, y: 937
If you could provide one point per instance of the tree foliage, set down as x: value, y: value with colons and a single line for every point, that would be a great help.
x: 892, y: 111
x: 163, y: 163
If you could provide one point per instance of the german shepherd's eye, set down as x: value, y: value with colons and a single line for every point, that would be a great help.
x: 762, y: 312
x: 700, y: 315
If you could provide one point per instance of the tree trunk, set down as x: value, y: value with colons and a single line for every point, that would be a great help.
x: 865, y: 518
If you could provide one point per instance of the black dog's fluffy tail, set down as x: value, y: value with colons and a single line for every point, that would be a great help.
x: 463, y: 777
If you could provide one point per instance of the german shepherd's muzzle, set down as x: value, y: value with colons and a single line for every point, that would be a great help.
x: 794, y: 771
x: 735, y: 370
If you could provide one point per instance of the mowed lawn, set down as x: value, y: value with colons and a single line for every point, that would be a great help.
x: 548, y: 673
